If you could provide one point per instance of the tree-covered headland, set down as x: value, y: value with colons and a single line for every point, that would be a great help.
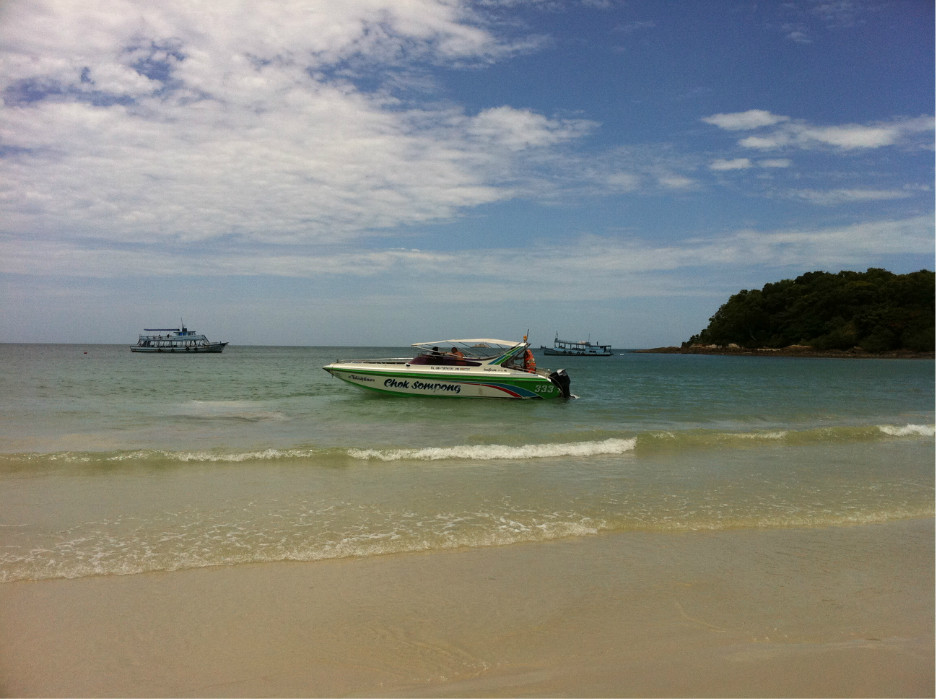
x: 876, y: 311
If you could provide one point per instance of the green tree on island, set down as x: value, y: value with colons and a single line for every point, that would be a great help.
x: 876, y: 310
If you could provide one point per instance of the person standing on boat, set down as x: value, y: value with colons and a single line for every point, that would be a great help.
x: 529, y: 363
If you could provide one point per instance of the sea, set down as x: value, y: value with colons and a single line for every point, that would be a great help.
x: 116, y: 463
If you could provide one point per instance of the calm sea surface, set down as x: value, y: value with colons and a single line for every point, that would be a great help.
x: 117, y: 463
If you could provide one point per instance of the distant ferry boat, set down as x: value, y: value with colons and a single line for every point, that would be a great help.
x: 175, y: 340
x: 582, y: 348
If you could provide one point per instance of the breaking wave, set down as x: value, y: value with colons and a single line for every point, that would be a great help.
x: 255, y: 514
x: 490, y: 452
x: 618, y: 445
x: 909, y: 430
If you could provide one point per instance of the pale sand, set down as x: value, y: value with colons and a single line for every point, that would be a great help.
x: 832, y: 612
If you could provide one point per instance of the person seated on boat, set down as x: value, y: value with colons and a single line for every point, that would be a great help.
x: 457, y: 353
x: 529, y: 363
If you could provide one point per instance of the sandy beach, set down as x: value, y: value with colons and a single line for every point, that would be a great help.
x: 844, y: 611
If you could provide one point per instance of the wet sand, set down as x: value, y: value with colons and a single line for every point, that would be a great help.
x: 842, y: 611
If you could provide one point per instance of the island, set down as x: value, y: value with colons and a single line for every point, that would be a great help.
x: 820, y: 314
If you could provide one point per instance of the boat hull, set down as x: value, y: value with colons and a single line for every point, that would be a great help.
x: 213, y: 348
x: 447, y: 382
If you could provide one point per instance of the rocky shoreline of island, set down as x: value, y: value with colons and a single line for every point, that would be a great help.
x: 790, y: 351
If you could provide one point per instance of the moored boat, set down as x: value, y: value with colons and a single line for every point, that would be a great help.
x: 176, y: 340
x: 467, y: 368
x: 580, y: 348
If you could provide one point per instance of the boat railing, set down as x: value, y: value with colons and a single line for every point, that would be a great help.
x: 388, y: 360
x: 441, y: 360
x: 444, y: 360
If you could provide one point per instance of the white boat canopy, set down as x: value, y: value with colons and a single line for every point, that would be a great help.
x: 480, y: 348
x: 476, y: 342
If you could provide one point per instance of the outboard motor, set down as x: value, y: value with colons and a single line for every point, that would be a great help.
x: 561, y: 381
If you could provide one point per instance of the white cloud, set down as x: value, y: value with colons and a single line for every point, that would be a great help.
x: 744, y: 121
x: 621, y: 181
x: 818, y: 248
x: 518, y: 129
x: 834, y: 197
x: 196, y: 120
x: 780, y: 132
x: 673, y: 181
x: 851, y: 136
x: 797, y: 35
x: 729, y: 164
x: 733, y: 164
x: 634, y: 26
x: 778, y: 140
x: 591, y: 266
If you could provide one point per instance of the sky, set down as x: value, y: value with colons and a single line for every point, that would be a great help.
x: 385, y: 172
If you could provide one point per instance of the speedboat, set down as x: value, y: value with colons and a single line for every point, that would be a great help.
x: 179, y: 339
x: 470, y: 368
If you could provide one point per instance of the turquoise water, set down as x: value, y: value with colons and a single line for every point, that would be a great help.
x: 119, y: 463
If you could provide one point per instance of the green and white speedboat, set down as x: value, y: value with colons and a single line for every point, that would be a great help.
x: 472, y: 368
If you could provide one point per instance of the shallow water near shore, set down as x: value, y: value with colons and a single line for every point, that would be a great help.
x: 113, y: 463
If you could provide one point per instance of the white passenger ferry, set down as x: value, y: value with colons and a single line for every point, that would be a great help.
x: 579, y: 348
x: 180, y: 340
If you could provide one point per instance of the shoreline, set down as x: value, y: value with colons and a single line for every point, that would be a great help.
x: 791, y: 351
x: 839, y: 611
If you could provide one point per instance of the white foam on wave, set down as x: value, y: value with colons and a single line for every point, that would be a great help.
x: 261, y: 455
x: 775, y: 435
x: 209, y: 456
x: 491, y: 452
x: 908, y: 430
x: 189, y: 540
